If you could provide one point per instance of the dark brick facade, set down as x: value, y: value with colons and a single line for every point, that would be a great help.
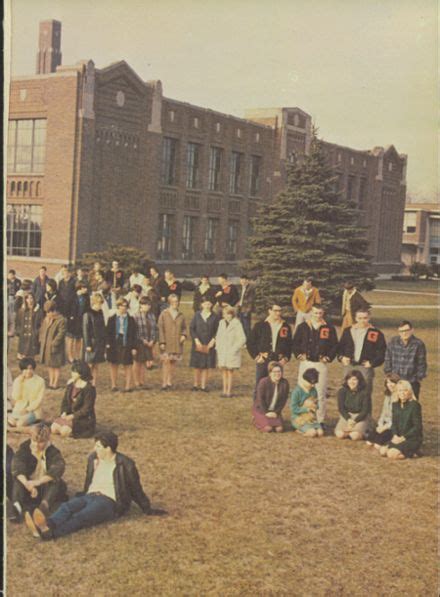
x: 104, y: 178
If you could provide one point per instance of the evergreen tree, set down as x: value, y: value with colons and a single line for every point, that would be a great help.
x: 308, y: 230
x: 130, y: 258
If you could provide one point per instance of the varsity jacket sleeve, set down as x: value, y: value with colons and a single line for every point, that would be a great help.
x: 299, y: 341
x: 380, y: 349
x: 253, y: 340
x: 333, y: 344
x: 342, y: 349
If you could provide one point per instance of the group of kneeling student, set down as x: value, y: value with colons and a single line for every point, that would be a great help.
x: 398, y: 433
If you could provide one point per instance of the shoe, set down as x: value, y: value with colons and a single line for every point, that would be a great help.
x: 127, y: 391
x: 204, y: 390
x: 115, y: 389
x: 40, y: 521
x: 29, y: 521
x: 164, y: 389
x: 195, y: 389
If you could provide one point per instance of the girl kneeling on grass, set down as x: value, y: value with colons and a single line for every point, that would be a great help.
x: 354, y: 405
x: 304, y: 405
x: 382, y: 434
x: 77, y: 417
x: 406, y: 428
x: 272, y: 394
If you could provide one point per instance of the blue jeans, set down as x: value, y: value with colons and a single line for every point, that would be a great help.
x: 81, y: 512
x: 245, y: 319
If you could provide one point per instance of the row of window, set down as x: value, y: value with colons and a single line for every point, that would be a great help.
x: 355, y: 189
x: 167, y: 236
x: 196, y: 123
x: 236, y: 183
x: 23, y: 230
x: 26, y: 145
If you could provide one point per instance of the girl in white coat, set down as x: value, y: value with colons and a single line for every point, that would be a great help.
x: 229, y: 341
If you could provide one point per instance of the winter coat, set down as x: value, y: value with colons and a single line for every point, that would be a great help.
x: 170, y: 331
x: 52, y: 335
x: 229, y: 341
x: 27, y: 328
x: 82, y: 407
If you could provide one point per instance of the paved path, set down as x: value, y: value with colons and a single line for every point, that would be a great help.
x: 406, y: 292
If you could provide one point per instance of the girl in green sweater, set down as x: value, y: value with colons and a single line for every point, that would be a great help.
x: 354, y: 405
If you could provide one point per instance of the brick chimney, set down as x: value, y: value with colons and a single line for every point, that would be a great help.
x: 49, y: 47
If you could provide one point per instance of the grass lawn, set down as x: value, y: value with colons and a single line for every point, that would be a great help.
x: 250, y: 513
x: 416, y: 286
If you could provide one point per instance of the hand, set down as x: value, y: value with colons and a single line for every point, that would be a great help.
x: 150, y: 344
x: 69, y: 417
x: 107, y: 345
x: 271, y: 415
x: 379, y: 429
x: 89, y: 349
x: 259, y: 359
x: 366, y: 364
x: 134, y: 352
x: 29, y: 485
x: 34, y: 492
x: 197, y: 341
x: 162, y: 347
x: 211, y: 343
x: 398, y: 439
x: 182, y: 339
x: 324, y: 360
x: 219, y: 293
x: 351, y: 422
x: 346, y: 361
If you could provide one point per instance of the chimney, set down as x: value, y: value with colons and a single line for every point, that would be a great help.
x: 49, y: 47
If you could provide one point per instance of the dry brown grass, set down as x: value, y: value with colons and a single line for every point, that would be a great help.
x: 250, y: 514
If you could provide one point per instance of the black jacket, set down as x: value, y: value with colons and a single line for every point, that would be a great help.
x: 128, y: 486
x: 175, y: 288
x: 82, y: 408
x: 373, y: 349
x: 229, y: 295
x: 260, y: 340
x: 199, y: 297
x: 111, y: 335
x: 315, y: 344
x: 67, y: 297
x: 24, y: 463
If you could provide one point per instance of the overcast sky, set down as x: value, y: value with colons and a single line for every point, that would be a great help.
x: 364, y: 69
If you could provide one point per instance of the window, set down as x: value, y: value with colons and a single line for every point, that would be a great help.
x: 171, y: 115
x: 192, y: 166
x: 218, y: 127
x: 23, y: 230
x: 169, y: 160
x: 215, y: 164
x: 238, y: 133
x: 165, y: 236
x: 434, y: 230
x: 231, y: 246
x: 189, y: 223
x: 362, y: 193
x: 351, y: 188
x: 257, y: 137
x: 235, y: 173
x: 409, y: 222
x: 210, y: 248
x: 196, y: 123
x: 26, y: 145
x: 254, y: 182
x: 390, y: 166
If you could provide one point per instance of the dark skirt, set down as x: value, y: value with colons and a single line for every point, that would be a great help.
x: 74, y: 328
x: 261, y: 421
x: 201, y: 360
x: 144, y: 353
x: 119, y: 354
x: 97, y: 355
x: 408, y: 448
x: 380, y: 438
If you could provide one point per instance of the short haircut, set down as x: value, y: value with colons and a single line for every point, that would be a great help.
x: 107, y: 439
x: 244, y: 276
x: 223, y: 275
x: 359, y: 377
x: 51, y: 307
x: 154, y: 268
x: 273, y: 365
x: 362, y: 310
x: 96, y: 298
x: 405, y: 322
x: 121, y: 301
x: 83, y: 369
x: 272, y: 305
x: 204, y: 276
x: 137, y: 287
x: 169, y: 271
x: 308, y: 279
x: 172, y: 296
x: 44, y: 267
x: 311, y: 375
x: 390, y: 377
x: 40, y: 432
x: 12, y: 271
x: 230, y: 310
x: 27, y: 362
x: 144, y: 300
x: 348, y: 285
x: 318, y: 306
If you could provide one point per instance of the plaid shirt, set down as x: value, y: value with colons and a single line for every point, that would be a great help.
x: 146, y: 328
x: 407, y: 361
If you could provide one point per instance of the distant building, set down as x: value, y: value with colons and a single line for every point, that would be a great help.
x: 99, y: 155
x: 421, y: 234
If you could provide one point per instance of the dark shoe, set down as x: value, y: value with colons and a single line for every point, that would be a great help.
x: 157, y: 512
x: 115, y: 389
x: 127, y: 391
x: 29, y: 521
x: 164, y: 389
x: 195, y: 389
x: 204, y: 390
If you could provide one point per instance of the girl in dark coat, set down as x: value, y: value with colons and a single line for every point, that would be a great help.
x: 80, y: 306
x: 406, y: 424
x: 52, y: 340
x: 27, y: 327
x: 272, y: 394
x: 203, y: 329
x: 146, y: 335
x: 121, y: 344
x: 94, y: 335
x: 78, y: 406
x: 52, y: 294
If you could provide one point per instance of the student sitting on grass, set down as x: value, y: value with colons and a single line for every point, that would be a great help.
x: 27, y: 395
x: 77, y: 417
x: 112, y: 483
x: 354, y: 405
x: 406, y: 428
x: 272, y: 394
x: 304, y: 405
x: 382, y: 434
x: 37, y: 470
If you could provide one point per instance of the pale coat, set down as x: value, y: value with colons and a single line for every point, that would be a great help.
x: 171, y: 330
x: 27, y: 394
x: 228, y: 342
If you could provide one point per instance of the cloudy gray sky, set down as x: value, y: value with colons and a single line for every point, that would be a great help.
x: 365, y: 69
